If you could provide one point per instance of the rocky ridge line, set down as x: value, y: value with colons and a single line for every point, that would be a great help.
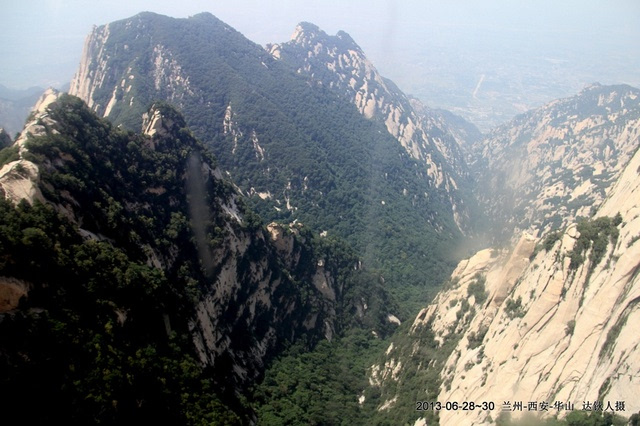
x: 18, y: 179
x: 338, y: 63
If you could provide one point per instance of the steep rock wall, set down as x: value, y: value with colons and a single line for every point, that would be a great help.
x: 556, y: 163
x: 548, y: 331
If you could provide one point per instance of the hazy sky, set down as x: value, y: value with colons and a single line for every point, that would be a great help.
x: 41, y: 41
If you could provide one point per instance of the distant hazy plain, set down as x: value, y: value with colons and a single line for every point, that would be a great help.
x: 486, y: 60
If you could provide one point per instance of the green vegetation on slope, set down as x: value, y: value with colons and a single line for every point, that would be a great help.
x: 8, y: 155
x: 595, y: 235
x: 103, y: 336
x: 321, y: 386
x: 90, y: 345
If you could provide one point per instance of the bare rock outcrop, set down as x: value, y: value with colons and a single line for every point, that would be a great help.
x: 556, y: 163
x: 12, y: 291
x: 18, y: 179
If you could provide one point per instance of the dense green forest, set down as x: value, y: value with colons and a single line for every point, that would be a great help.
x: 319, y: 387
x: 89, y: 345
x: 103, y: 336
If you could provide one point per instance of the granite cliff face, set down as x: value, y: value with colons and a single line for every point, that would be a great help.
x: 98, y: 73
x: 556, y: 163
x: 553, y: 320
x: 339, y: 64
x: 539, y: 309
x: 19, y: 178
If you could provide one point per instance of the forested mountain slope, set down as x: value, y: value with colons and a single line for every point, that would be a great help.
x: 298, y: 150
x: 136, y: 284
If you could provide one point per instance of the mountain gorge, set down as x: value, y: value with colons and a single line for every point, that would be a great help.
x: 213, y: 232
x: 551, y: 320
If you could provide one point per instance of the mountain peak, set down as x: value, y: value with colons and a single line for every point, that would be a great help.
x: 162, y: 119
x: 203, y: 15
x: 308, y: 27
x: 146, y: 14
x: 342, y: 35
x: 306, y: 32
x: 614, y: 95
x: 338, y: 63
x: 48, y: 97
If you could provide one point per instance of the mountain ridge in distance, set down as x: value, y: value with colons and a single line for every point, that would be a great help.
x: 553, y: 164
x: 15, y: 106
